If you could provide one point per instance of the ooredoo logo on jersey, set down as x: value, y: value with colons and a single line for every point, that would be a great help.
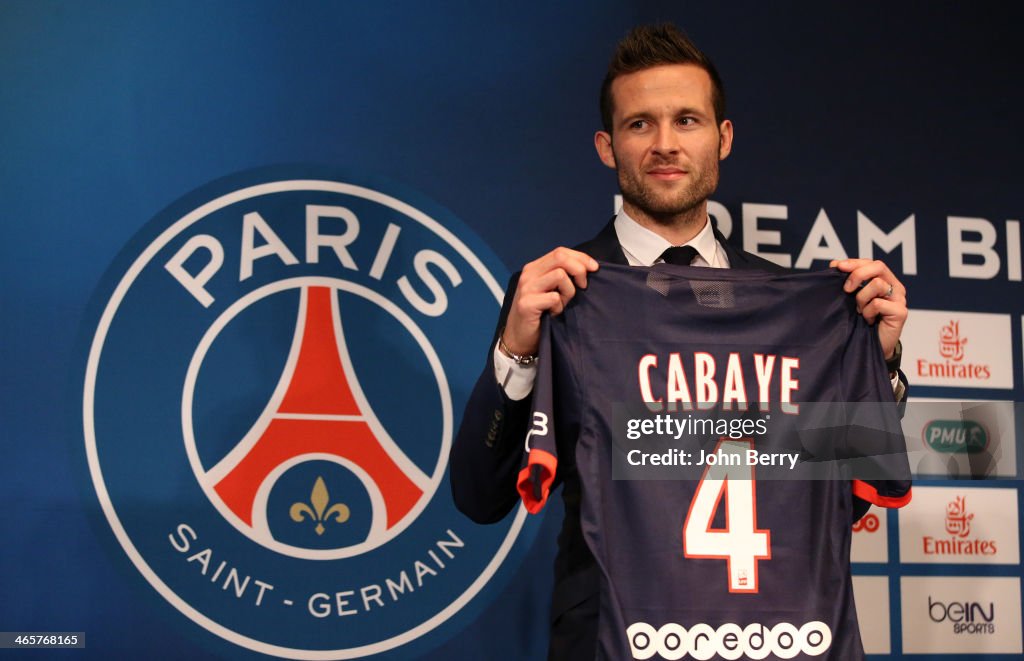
x: 270, y: 395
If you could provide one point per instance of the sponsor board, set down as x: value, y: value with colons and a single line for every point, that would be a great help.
x: 960, y: 615
x: 961, y: 349
x: 871, y: 537
x: 275, y: 373
x: 871, y: 594
x: 960, y: 438
x: 960, y: 525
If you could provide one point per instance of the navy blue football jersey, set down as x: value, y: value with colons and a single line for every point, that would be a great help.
x: 720, y: 422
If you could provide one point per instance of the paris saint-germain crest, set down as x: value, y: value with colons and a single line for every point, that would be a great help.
x: 278, y: 365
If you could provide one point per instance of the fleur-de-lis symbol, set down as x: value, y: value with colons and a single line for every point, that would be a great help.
x: 320, y: 512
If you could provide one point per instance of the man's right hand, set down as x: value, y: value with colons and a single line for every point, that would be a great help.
x: 545, y: 285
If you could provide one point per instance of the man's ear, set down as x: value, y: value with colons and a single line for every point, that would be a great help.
x: 724, y: 139
x: 603, y: 144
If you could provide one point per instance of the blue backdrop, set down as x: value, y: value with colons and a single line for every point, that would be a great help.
x: 113, y: 111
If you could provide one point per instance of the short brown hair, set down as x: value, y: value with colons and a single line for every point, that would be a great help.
x: 649, y: 46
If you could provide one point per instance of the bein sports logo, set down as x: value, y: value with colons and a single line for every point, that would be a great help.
x: 729, y: 641
x: 966, y: 617
x: 269, y: 401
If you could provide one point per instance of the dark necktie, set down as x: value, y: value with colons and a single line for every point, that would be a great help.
x: 681, y: 255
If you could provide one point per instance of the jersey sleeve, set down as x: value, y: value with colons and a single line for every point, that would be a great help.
x: 874, y: 438
x: 540, y: 457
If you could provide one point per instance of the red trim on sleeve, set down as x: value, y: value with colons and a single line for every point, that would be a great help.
x: 865, y: 491
x: 547, y: 464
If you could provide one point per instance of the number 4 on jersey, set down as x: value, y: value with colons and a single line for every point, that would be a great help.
x: 740, y: 543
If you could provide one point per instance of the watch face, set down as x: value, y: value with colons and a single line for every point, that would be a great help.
x: 518, y: 359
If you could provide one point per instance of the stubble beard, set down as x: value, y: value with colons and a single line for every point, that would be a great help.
x: 683, y: 207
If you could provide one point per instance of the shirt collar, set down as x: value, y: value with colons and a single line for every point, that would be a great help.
x: 643, y: 247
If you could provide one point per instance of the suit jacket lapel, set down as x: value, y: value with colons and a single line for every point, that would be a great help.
x: 605, y: 246
x: 741, y: 259
x: 737, y: 259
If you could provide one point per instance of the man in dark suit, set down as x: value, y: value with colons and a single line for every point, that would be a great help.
x: 665, y: 131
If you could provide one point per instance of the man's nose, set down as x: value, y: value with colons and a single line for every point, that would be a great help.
x: 666, y: 141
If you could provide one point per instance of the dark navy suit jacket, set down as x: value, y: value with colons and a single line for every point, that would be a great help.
x: 485, y: 461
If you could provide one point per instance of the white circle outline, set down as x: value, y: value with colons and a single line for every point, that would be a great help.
x: 96, y: 473
x: 188, y: 430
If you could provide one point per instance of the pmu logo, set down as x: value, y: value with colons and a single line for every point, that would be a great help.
x: 955, y: 436
x: 270, y: 397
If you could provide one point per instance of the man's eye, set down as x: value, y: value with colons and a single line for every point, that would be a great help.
x: 637, y: 124
x: 687, y: 121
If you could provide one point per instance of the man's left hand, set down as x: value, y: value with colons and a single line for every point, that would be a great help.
x: 880, y: 297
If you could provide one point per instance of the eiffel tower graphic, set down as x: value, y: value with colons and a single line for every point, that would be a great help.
x: 318, y: 412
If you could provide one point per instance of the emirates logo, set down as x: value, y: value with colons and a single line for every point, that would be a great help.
x: 952, y: 364
x: 958, y: 541
x: 958, y: 521
x: 951, y: 345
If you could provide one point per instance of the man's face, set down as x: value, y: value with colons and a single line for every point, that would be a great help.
x: 665, y: 143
